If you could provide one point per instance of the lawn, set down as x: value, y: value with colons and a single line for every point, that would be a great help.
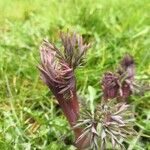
x: 30, y: 118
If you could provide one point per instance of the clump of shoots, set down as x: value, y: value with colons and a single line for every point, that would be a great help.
x: 112, y: 121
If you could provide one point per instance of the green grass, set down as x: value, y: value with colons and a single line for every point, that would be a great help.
x: 30, y: 118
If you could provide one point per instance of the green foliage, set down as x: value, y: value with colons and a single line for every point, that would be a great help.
x: 30, y: 118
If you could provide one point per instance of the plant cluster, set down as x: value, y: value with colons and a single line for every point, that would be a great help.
x: 112, y: 120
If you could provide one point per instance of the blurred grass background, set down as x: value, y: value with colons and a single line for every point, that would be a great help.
x: 30, y: 118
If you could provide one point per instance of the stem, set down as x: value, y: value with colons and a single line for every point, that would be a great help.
x: 71, y: 111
